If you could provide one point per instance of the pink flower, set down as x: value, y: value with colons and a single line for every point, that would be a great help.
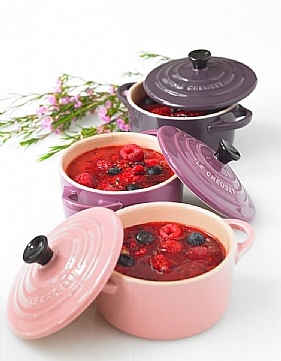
x: 102, y: 111
x: 106, y: 118
x: 108, y: 104
x: 41, y: 110
x: 52, y: 99
x: 64, y: 100
x: 89, y: 91
x: 78, y: 104
x: 122, y: 125
x: 111, y: 89
x: 58, y: 87
x: 46, y: 123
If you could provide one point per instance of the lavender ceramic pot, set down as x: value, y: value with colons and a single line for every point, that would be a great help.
x: 76, y: 197
x: 209, y: 129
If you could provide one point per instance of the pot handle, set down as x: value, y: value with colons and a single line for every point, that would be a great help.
x: 246, y: 228
x: 242, y: 115
x: 121, y: 93
x: 110, y: 287
x: 70, y: 200
x: 150, y: 131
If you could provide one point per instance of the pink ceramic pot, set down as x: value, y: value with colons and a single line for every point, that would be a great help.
x: 171, y: 310
x: 76, y: 197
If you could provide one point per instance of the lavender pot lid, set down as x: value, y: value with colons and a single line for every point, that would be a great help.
x: 64, y: 272
x: 200, y: 82
x: 206, y: 173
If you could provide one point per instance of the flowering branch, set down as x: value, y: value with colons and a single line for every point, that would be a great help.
x: 59, y: 112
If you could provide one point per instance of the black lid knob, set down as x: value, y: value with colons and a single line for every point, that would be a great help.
x: 38, y: 251
x: 199, y: 58
x: 226, y: 152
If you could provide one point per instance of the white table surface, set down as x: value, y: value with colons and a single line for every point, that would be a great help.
x: 99, y: 40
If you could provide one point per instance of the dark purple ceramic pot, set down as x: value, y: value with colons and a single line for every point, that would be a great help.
x: 76, y: 197
x: 199, y: 82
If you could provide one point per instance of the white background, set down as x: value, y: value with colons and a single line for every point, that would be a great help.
x: 99, y: 40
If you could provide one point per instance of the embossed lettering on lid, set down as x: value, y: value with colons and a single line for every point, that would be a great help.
x: 200, y: 82
x: 206, y: 173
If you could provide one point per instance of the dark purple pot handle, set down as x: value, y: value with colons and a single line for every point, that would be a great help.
x: 69, y: 198
x: 120, y: 93
x: 240, y: 112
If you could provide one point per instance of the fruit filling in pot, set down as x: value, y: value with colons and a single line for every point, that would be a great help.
x: 151, y: 106
x: 119, y: 168
x: 161, y: 251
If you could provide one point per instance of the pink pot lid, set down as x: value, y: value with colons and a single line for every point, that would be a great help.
x: 71, y: 271
x: 200, y: 82
x: 206, y: 173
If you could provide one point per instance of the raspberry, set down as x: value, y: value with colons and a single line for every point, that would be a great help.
x: 138, y: 169
x: 198, y: 252
x: 170, y: 245
x: 141, y: 252
x: 132, y: 152
x: 86, y: 179
x: 161, y: 263
x: 103, y: 164
x: 160, y: 110
x: 151, y: 162
x: 170, y: 230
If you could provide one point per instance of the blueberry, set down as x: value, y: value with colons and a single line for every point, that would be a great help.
x: 148, y: 101
x: 114, y: 170
x: 132, y: 187
x: 155, y: 170
x: 126, y: 260
x: 195, y: 239
x: 144, y: 237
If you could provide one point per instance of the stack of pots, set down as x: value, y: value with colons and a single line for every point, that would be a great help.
x: 65, y: 271
x: 200, y: 82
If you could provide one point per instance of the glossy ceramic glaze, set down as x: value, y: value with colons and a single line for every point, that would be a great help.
x: 210, y: 129
x: 76, y: 197
x: 176, y: 309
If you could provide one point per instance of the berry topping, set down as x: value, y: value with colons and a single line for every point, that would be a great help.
x: 86, y: 179
x: 198, y: 252
x: 141, y: 252
x: 132, y: 187
x: 148, y: 101
x: 138, y: 169
x: 160, y: 263
x: 114, y: 170
x: 132, y: 152
x: 170, y: 230
x: 144, y: 237
x: 155, y: 170
x: 103, y: 164
x: 195, y: 239
x: 126, y: 260
x: 170, y: 245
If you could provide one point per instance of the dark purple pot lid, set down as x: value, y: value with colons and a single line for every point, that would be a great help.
x: 206, y: 173
x: 200, y: 82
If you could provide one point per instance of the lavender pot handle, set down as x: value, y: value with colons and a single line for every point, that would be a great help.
x: 121, y: 93
x: 246, y: 228
x: 242, y: 115
x: 70, y: 200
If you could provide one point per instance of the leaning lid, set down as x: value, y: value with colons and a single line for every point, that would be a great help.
x: 200, y: 82
x: 206, y: 173
x: 65, y: 272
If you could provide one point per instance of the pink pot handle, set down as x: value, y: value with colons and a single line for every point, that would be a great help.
x: 70, y: 200
x: 242, y: 116
x: 246, y: 228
